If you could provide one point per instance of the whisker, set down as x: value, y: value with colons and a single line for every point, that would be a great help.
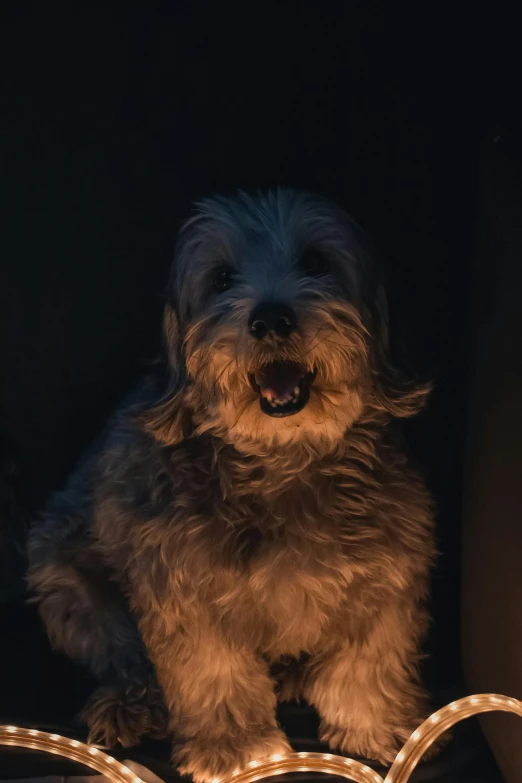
x: 241, y: 412
x: 223, y: 371
x: 319, y: 343
x: 315, y: 335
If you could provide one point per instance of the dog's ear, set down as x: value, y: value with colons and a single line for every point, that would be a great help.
x: 172, y: 339
x: 395, y: 390
x: 169, y: 419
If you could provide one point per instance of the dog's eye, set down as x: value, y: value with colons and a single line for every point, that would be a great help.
x: 223, y: 280
x: 314, y: 263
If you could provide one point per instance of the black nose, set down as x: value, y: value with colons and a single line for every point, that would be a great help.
x: 278, y: 318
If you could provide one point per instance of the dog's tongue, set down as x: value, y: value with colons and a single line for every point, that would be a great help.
x: 279, y: 379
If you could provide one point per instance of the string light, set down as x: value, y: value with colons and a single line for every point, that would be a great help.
x: 406, y: 760
x: 441, y: 721
x: 88, y: 755
x: 400, y: 771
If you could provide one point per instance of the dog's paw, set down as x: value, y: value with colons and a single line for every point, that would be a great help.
x: 126, y: 712
x: 380, y: 744
x: 376, y: 744
x: 208, y: 761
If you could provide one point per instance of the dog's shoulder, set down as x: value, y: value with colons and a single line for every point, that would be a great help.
x: 125, y: 453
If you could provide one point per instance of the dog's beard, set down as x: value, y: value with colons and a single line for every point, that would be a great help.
x: 309, y: 386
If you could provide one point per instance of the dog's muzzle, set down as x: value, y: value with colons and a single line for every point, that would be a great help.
x: 283, y: 387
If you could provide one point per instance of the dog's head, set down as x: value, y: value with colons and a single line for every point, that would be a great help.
x: 276, y: 325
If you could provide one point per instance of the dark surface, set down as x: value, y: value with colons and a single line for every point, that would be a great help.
x: 112, y: 123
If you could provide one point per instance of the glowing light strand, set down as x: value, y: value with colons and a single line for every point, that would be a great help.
x: 400, y: 771
x: 88, y: 755
x: 441, y: 721
x: 406, y: 760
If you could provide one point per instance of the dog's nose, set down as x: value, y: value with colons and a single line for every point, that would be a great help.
x: 266, y: 317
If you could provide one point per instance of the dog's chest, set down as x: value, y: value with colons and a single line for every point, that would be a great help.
x: 290, y: 572
x: 298, y: 589
x: 275, y: 556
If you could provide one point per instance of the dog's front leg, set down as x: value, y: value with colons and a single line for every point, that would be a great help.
x: 220, y: 698
x: 366, y: 690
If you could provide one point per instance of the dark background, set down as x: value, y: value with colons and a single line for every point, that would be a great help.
x: 113, y: 121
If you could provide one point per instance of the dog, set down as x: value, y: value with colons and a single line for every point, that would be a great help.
x: 255, y: 508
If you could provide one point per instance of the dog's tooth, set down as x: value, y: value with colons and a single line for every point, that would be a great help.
x: 296, y: 391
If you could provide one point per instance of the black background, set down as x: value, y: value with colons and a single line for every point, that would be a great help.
x: 113, y: 120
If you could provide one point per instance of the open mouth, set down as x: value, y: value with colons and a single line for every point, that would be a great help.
x: 283, y: 387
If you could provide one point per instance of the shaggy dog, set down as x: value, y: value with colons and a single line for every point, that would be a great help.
x: 257, y: 509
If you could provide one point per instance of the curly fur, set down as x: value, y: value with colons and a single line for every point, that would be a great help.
x: 127, y: 711
x: 217, y: 541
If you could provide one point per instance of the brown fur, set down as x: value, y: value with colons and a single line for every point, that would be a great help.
x: 215, y: 540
